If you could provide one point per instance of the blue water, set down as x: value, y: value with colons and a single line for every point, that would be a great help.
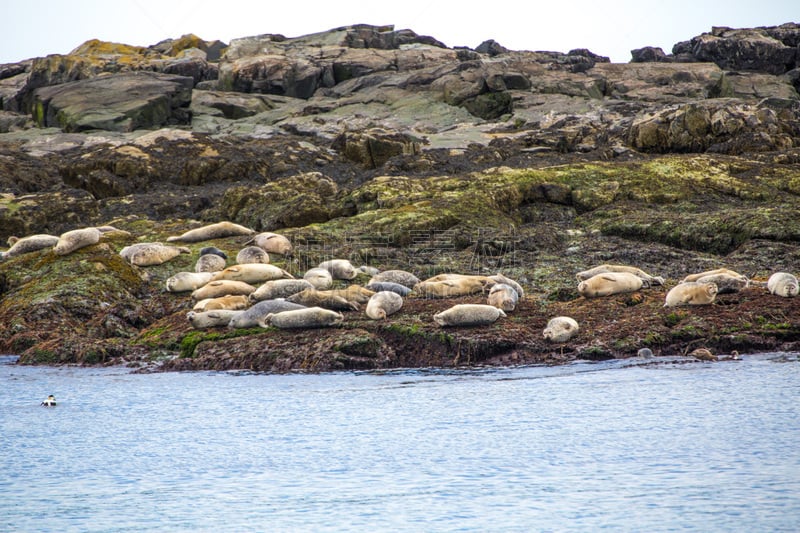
x: 704, y: 447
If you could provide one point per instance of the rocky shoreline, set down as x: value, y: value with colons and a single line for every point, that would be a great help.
x: 389, y: 149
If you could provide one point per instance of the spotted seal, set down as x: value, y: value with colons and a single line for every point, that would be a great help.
x: 311, y: 317
x: 402, y: 277
x: 272, y: 243
x: 717, y: 271
x: 610, y: 283
x: 251, y: 254
x: 382, y: 304
x: 212, y: 231
x: 279, y: 288
x: 31, y: 243
x: 215, y: 289
x: 468, y: 315
x: 606, y: 269
x: 234, y: 302
x: 211, y: 319
x: 560, y: 329
x: 379, y: 286
x: 691, y: 293
x: 210, y: 263
x: 320, y: 278
x: 187, y: 281
x: 256, y: 313
x: 783, y: 284
x: 449, y: 288
x: 252, y: 273
x: 151, y: 253
x: 503, y: 296
x: 339, y: 268
x: 76, y: 239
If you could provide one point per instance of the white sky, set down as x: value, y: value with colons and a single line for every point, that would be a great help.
x: 35, y: 28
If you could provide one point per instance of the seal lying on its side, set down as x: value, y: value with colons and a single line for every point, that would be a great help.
x: 28, y: 244
x: 611, y: 283
x: 605, y: 269
x: 212, y: 231
x: 76, y: 239
x: 339, y: 268
x: 211, y: 319
x: 151, y: 253
x: 311, y: 317
x: 254, y: 315
x: 279, y: 288
x: 252, y: 273
x: 234, y: 302
x: 468, y: 315
x: 187, y: 281
x: 272, y: 243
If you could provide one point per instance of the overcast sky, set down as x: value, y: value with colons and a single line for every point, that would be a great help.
x: 36, y: 28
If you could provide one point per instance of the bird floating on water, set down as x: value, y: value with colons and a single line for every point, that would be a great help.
x: 50, y: 401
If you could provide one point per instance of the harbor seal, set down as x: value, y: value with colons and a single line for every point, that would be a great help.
x: 272, y: 243
x: 320, y: 278
x: 503, y: 297
x: 235, y: 303
x: 279, y: 288
x: 187, y: 281
x: 311, y: 317
x: 339, y: 268
x: 49, y: 402
x: 211, y: 319
x: 212, y: 231
x: 691, y: 293
x: 253, y: 315
x: 327, y: 299
x: 783, y: 284
x: 402, y: 277
x: 210, y: 263
x: 560, y: 329
x: 252, y: 254
x: 31, y: 243
x: 76, y: 239
x: 449, y: 288
x: 151, y: 253
x: 696, y: 277
x: 368, y: 270
x: 605, y: 269
x: 252, y: 273
x: 500, y: 278
x: 725, y: 283
x: 645, y: 353
x: 382, y: 304
x: 379, y: 286
x: 215, y: 289
x: 610, y: 283
x: 468, y: 315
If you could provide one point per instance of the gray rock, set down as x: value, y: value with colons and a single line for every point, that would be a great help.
x: 124, y: 102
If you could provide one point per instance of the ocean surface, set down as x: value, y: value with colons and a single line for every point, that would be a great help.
x: 617, y: 446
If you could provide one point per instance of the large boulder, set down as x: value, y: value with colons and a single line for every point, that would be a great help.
x: 718, y: 125
x: 125, y: 102
x: 756, y: 49
x: 372, y: 148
